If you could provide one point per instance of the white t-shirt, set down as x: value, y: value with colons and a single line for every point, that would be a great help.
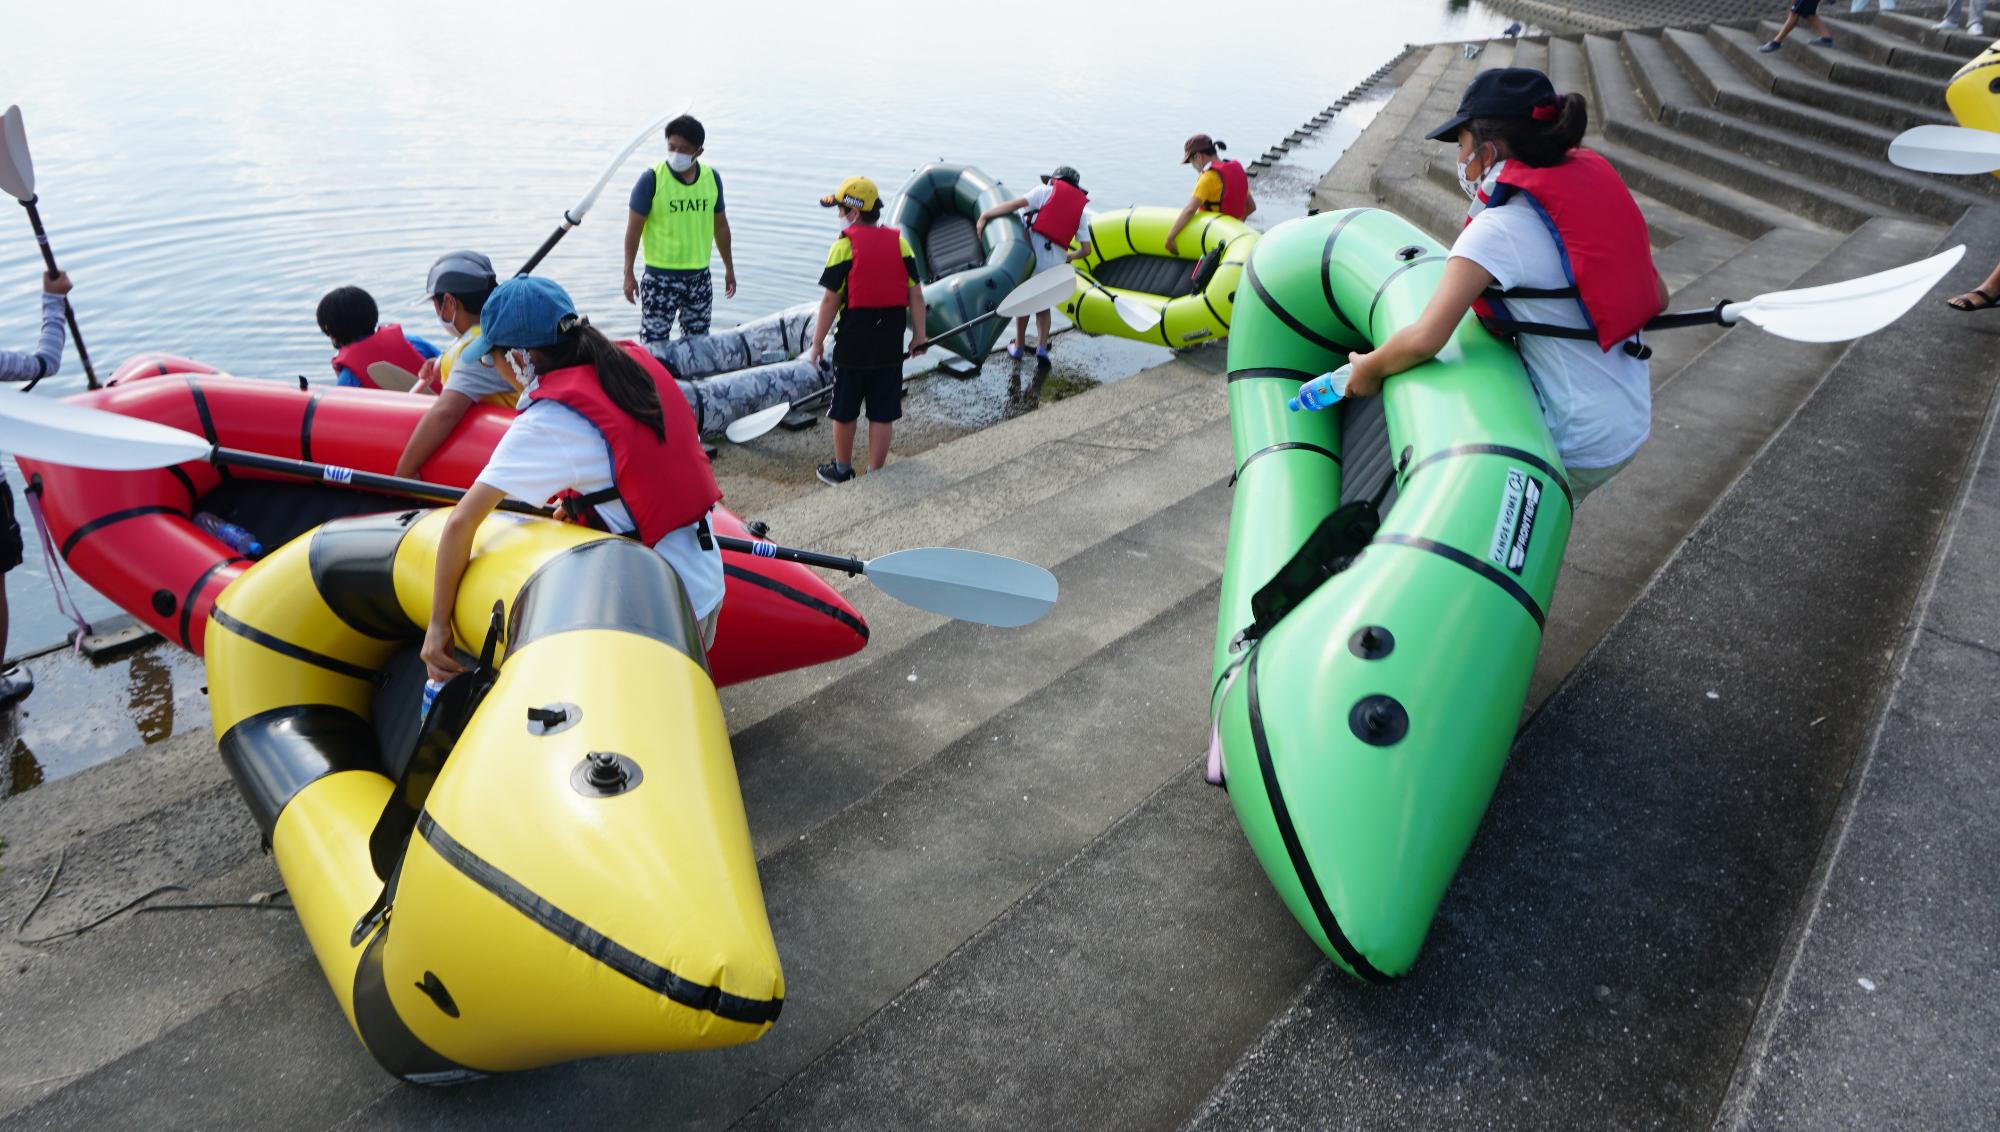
x: 551, y: 448
x: 1599, y: 406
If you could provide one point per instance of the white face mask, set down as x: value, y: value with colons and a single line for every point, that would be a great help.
x: 524, y: 367
x: 1466, y: 184
x: 679, y: 162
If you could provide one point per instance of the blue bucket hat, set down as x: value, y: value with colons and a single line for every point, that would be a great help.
x: 526, y: 312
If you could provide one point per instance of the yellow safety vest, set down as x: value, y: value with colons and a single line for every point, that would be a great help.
x: 680, y: 230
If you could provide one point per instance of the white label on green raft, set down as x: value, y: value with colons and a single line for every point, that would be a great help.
x: 1515, y: 524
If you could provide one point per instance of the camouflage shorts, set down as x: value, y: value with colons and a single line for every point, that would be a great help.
x: 664, y: 295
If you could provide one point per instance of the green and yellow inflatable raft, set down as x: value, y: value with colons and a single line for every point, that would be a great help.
x: 576, y: 877
x: 1194, y: 289
x: 1364, y: 718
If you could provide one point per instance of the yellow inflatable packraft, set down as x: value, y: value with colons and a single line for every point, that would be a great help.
x: 559, y: 865
x: 1974, y: 92
x: 1128, y: 256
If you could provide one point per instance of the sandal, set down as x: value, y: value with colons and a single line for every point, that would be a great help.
x: 1966, y: 303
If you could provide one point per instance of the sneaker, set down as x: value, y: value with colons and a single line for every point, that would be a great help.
x: 1975, y: 28
x: 16, y: 683
x: 1014, y: 351
x: 1823, y: 41
x: 831, y: 475
x: 1042, y: 356
x: 1769, y: 47
x: 1942, y: 25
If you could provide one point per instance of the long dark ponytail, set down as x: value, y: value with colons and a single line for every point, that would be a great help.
x: 1539, y: 141
x: 627, y: 383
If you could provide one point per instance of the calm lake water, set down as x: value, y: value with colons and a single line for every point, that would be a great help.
x: 208, y: 170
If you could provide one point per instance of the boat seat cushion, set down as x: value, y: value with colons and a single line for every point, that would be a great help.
x: 951, y: 245
x: 1167, y: 276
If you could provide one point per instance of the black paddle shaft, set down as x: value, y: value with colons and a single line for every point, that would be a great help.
x: 1676, y: 320
x: 421, y: 489
x: 549, y: 244
x: 69, y: 313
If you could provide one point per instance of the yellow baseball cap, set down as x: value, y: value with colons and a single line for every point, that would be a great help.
x: 855, y: 192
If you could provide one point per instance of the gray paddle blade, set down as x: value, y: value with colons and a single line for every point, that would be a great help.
x: 1042, y: 291
x: 745, y: 429
x: 986, y: 589
x: 17, y: 166
x: 1946, y: 149
x: 391, y: 376
x: 77, y: 436
x: 1849, y: 309
x: 1138, y: 315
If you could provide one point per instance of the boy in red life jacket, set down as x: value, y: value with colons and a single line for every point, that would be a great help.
x: 347, y: 317
x: 871, y: 279
x: 1221, y: 185
x: 1055, y: 217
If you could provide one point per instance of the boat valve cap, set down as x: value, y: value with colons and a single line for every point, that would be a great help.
x: 1379, y: 721
x: 1371, y: 642
x: 603, y: 774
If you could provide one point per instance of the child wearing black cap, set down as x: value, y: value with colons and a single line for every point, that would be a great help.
x: 1054, y: 218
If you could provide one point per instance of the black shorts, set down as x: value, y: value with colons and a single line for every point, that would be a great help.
x: 880, y: 386
x: 10, y: 529
x: 1805, y: 9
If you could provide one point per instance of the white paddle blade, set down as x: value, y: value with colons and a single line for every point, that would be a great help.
x: 986, y: 589
x: 1853, y: 308
x: 1135, y: 314
x: 589, y: 199
x: 392, y: 377
x: 1043, y: 290
x: 1946, y: 149
x: 77, y: 436
x: 17, y: 166
x: 746, y: 429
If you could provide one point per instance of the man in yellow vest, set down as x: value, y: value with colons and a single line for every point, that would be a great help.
x: 677, y: 217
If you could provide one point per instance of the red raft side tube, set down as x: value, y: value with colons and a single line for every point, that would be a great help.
x: 131, y: 535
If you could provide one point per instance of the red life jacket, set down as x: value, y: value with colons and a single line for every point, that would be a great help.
x: 385, y: 345
x: 1607, y: 253
x: 1235, y: 189
x: 1059, y: 217
x: 664, y: 484
x: 877, y: 277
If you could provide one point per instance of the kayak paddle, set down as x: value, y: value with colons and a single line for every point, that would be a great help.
x: 574, y: 216
x: 1835, y: 312
x: 1946, y: 149
x: 17, y: 177
x: 968, y: 585
x: 396, y: 379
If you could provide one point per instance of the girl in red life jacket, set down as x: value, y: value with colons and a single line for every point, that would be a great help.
x: 603, y: 428
x: 1554, y: 253
x: 1055, y: 218
x: 1220, y: 185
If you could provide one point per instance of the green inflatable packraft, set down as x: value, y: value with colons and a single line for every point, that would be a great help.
x: 965, y: 274
x: 1363, y: 721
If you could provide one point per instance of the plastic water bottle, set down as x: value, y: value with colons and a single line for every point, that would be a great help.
x: 230, y: 535
x: 431, y: 689
x: 1322, y: 391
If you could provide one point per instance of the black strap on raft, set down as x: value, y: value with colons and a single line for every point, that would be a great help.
x: 451, y: 710
x: 1511, y: 328
x: 580, y: 507
x: 1206, y: 267
x: 1332, y: 547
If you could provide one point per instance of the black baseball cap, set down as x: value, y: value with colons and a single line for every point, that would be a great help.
x: 1505, y: 92
x: 1064, y: 173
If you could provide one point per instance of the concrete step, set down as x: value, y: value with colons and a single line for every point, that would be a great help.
x: 1423, y: 201
x: 1866, y: 174
x: 1784, y: 77
x: 1568, y: 71
x: 1532, y: 52
x: 1350, y: 183
x: 1848, y: 70
x: 1661, y: 817
x: 1882, y: 1011
x: 1711, y: 414
x: 1886, y: 49
x: 1726, y: 208
x: 1918, y: 30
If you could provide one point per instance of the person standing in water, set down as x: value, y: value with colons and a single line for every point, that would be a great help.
x: 605, y: 434
x: 677, y: 219
x: 458, y: 285
x: 871, y: 280
x: 26, y: 365
x: 1054, y: 216
x: 1220, y: 185
x: 1555, y: 254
